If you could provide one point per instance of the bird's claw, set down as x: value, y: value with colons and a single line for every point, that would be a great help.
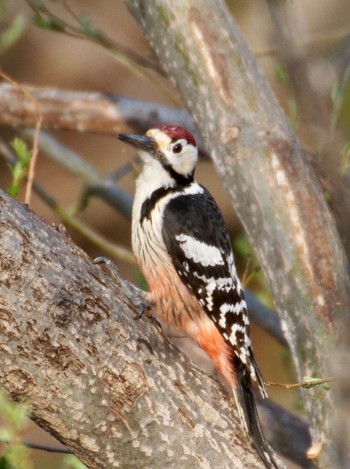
x: 141, y: 310
x: 133, y: 293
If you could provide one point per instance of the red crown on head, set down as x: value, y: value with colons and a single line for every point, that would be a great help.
x: 176, y: 132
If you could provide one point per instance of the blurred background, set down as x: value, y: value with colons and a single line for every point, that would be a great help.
x: 303, y: 48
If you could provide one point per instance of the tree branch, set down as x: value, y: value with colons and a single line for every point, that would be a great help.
x: 107, y: 387
x: 103, y: 113
x: 275, y: 192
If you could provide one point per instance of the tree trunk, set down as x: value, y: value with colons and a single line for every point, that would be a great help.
x: 272, y: 185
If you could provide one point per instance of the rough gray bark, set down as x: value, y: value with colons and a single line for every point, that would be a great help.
x: 274, y: 190
x: 314, y: 112
x: 112, y: 389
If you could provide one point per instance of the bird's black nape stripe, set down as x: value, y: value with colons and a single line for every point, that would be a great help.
x: 149, y: 204
x: 180, y: 179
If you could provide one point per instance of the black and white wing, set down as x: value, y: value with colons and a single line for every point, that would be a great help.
x: 197, y: 240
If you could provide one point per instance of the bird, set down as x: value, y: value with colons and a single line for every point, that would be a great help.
x: 183, y: 248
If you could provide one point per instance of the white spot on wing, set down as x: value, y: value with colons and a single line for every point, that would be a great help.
x: 236, y: 308
x: 247, y: 342
x: 200, y: 252
x: 212, y: 284
x: 222, y: 321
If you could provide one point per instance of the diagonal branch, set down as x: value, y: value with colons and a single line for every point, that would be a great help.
x: 102, y: 113
x: 92, y: 375
x: 107, y: 387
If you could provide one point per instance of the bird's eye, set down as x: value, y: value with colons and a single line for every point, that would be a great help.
x: 177, y: 148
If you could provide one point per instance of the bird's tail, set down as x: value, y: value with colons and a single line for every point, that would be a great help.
x: 248, y: 413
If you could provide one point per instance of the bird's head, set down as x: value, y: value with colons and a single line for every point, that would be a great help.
x: 173, y: 147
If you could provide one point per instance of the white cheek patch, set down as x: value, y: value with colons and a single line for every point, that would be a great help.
x: 200, y: 252
x: 186, y: 163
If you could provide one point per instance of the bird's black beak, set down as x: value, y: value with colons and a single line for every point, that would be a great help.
x: 139, y: 141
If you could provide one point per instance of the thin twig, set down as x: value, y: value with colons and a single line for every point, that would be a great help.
x: 38, y: 124
x: 102, y: 186
x: 316, y: 40
x: 136, y: 63
x: 70, y: 220
x: 307, y: 383
x: 123, y: 53
x: 28, y: 444
x: 246, y: 271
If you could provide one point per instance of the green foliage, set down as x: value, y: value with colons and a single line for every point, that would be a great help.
x: 310, y: 382
x: 13, y: 33
x: 89, y: 30
x: 327, y: 196
x: 4, y: 464
x: 253, y: 273
x: 82, y: 27
x: 336, y: 98
x: 10, y: 34
x: 13, y: 413
x: 72, y: 462
x: 340, y: 96
x: 281, y: 74
x: 282, y: 77
x: 20, y: 169
x: 345, y: 154
x: 36, y: 3
x: 14, y: 420
x: 140, y: 279
x: 48, y: 22
x: 243, y: 249
x: 293, y: 113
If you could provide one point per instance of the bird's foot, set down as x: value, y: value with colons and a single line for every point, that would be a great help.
x: 138, y: 297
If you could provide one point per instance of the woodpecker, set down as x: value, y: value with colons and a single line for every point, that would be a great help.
x: 183, y: 248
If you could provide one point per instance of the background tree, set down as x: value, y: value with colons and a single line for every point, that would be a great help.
x: 268, y: 176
